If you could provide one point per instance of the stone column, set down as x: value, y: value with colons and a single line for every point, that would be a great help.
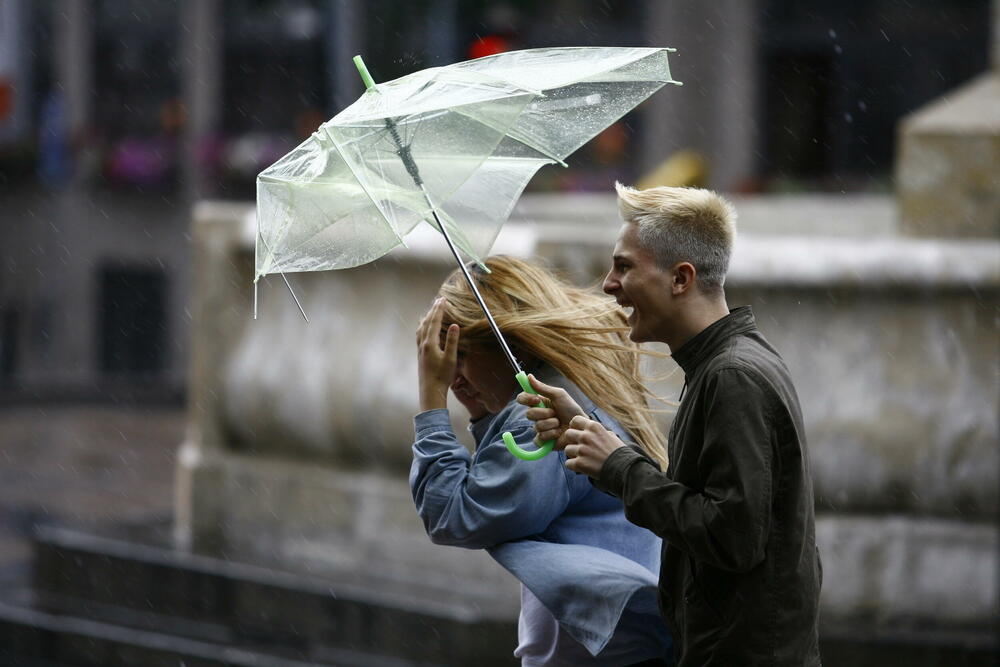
x: 442, y: 32
x: 201, y: 83
x: 995, y: 37
x: 15, y: 44
x: 715, y: 111
x: 219, y: 307
x: 345, y: 39
x: 74, y: 65
x: 66, y: 292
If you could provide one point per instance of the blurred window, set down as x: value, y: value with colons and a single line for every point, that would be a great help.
x: 8, y: 340
x: 398, y: 41
x: 840, y: 74
x: 275, y: 90
x: 797, y: 132
x: 137, y: 114
x: 25, y: 72
x: 132, y: 319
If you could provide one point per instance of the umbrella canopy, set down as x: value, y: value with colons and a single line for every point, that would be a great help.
x: 456, y: 144
x: 453, y: 146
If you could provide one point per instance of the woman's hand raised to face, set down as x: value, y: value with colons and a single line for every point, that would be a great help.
x: 435, y: 364
x: 552, y: 420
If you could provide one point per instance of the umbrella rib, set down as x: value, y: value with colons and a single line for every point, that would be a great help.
x: 287, y: 284
x: 269, y: 257
x: 472, y: 284
x: 647, y: 52
x: 510, y: 133
x: 324, y: 214
x: 513, y: 134
x: 270, y: 253
x: 404, y: 154
x: 364, y: 188
x: 414, y: 172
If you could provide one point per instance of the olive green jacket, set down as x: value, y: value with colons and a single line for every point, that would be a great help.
x: 740, y: 574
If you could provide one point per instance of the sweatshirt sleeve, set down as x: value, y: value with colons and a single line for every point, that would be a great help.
x: 726, y: 523
x: 478, y: 501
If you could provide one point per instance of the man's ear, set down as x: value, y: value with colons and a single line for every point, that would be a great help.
x: 684, y: 274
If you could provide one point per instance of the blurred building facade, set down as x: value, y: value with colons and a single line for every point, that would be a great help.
x: 116, y: 115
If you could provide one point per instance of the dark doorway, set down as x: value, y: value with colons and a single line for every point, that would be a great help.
x: 797, y: 112
x: 132, y: 319
x: 839, y: 75
x: 8, y: 341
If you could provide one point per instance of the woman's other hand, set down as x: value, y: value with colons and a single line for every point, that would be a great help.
x: 552, y: 420
x: 435, y: 364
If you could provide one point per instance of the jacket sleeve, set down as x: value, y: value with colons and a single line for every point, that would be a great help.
x: 478, y: 501
x: 726, y: 523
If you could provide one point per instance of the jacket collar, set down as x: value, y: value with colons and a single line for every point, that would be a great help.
x: 705, y: 343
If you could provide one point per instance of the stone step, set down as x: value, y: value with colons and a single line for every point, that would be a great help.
x: 857, y: 646
x: 126, y: 583
x: 33, y: 638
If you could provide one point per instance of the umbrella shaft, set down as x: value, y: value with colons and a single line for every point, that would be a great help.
x: 475, y: 290
x: 403, y: 150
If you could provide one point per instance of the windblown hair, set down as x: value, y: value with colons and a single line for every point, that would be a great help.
x: 683, y: 225
x: 582, y: 335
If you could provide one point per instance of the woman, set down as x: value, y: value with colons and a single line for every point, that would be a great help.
x: 588, y: 575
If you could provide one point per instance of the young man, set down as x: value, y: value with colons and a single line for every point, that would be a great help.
x: 740, y: 573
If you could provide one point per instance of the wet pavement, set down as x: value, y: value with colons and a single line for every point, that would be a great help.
x: 80, y: 465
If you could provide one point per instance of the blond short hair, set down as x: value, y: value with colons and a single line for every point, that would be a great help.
x: 683, y: 225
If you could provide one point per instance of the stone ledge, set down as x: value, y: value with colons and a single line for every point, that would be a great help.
x: 876, y: 263
x: 903, y: 572
x: 808, y: 214
x: 808, y: 260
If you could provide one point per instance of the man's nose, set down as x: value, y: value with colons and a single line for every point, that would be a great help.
x: 610, y: 285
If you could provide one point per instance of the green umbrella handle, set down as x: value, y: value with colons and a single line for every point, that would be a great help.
x: 508, y: 439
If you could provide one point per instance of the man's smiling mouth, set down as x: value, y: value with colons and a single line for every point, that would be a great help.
x: 628, y: 308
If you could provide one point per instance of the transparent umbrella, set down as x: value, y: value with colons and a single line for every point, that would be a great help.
x: 450, y: 146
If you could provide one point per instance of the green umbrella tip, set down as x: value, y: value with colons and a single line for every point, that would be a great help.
x: 363, y: 71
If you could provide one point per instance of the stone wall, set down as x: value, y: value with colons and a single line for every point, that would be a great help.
x: 300, y: 433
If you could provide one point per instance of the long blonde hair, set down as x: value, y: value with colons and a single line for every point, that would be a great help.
x: 577, y: 332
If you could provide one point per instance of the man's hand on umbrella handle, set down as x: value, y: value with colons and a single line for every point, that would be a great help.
x: 544, y: 446
x: 436, y: 365
x: 587, y: 445
x: 553, y: 420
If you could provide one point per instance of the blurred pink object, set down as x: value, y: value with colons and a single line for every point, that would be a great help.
x: 137, y: 161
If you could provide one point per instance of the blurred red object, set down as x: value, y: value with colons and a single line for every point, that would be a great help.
x: 6, y: 99
x: 488, y: 46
